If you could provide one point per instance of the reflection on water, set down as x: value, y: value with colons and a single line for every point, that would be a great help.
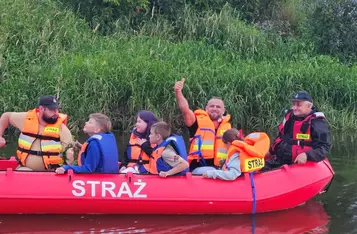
x: 332, y: 212
x: 340, y: 201
x: 308, y: 217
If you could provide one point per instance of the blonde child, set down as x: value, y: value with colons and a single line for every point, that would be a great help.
x: 167, y: 157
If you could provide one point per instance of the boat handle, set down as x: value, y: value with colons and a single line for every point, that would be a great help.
x: 129, y: 175
x: 70, y: 174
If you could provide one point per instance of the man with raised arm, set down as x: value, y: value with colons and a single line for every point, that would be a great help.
x: 206, y: 128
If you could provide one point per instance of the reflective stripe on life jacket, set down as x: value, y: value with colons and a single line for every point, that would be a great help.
x: 251, y: 151
x: 207, y: 142
x: 137, y: 157
x: 50, y: 143
x: 300, y: 140
x: 108, y: 162
x: 178, y: 144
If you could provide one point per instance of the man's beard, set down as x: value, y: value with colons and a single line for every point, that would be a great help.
x: 50, y: 120
x: 215, y: 117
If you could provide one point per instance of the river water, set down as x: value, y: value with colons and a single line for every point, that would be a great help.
x: 332, y: 212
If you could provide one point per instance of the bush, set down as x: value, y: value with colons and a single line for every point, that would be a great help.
x: 333, y: 27
x: 101, y: 14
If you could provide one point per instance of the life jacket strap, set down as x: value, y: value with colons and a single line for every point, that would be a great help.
x: 53, y: 166
x: 299, y: 142
x: 139, y: 161
x: 41, y: 137
x: 38, y: 153
x: 200, y: 158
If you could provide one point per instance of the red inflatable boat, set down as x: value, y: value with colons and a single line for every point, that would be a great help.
x: 49, y: 193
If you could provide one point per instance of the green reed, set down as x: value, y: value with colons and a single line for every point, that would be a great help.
x: 47, y: 50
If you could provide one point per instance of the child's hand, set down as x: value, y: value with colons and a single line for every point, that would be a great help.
x: 70, y: 156
x: 122, y: 169
x: 221, y: 162
x: 205, y: 175
x: 60, y: 170
x: 163, y: 174
x: 141, y: 141
x: 78, y: 144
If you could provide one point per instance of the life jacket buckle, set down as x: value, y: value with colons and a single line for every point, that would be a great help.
x: 298, y: 142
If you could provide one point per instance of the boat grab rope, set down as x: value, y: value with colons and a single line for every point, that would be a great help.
x: 253, y: 224
x: 251, y: 176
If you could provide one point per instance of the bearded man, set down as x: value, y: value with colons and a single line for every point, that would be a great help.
x: 44, y: 136
x: 206, y: 129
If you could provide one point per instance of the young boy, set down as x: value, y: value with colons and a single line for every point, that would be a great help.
x: 100, y: 152
x: 160, y: 135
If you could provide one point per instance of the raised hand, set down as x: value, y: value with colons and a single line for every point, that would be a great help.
x: 179, y: 85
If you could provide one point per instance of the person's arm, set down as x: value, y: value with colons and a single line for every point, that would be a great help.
x: 178, y: 164
x: 15, y: 119
x: 233, y: 172
x: 67, y: 140
x: 181, y: 166
x: 4, y: 123
x: 146, y: 147
x: 91, y: 161
x: 125, y: 161
x: 188, y: 115
x: 321, y: 139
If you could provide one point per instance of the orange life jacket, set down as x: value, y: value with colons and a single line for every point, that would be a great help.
x: 151, y: 167
x: 83, y: 148
x: 137, y: 157
x: 207, y: 140
x: 251, y: 151
x: 51, y: 145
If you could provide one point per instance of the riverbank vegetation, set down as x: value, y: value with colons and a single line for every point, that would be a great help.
x: 119, y: 57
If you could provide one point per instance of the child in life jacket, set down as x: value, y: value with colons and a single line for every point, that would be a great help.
x: 100, y: 152
x: 244, y: 155
x: 160, y: 135
x: 233, y: 162
x: 138, y: 151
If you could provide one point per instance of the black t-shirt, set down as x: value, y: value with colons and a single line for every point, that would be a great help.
x: 193, y: 128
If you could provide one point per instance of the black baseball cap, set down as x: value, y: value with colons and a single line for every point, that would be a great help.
x: 301, y: 96
x: 49, y: 102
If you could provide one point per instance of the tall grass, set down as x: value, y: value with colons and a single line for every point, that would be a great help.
x: 48, y: 50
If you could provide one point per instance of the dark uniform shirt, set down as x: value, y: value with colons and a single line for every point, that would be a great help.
x: 320, y: 136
